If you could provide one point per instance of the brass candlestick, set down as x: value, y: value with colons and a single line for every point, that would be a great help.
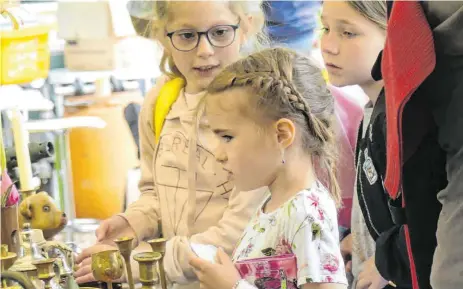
x: 125, y: 247
x: 147, y: 262
x: 31, y: 273
x: 107, y: 266
x: 6, y: 260
x: 159, y: 246
x: 45, y: 271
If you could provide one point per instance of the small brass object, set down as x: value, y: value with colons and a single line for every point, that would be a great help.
x: 159, y: 246
x: 7, y: 258
x: 125, y: 247
x: 107, y: 266
x: 147, y: 262
x: 31, y: 273
x: 45, y: 271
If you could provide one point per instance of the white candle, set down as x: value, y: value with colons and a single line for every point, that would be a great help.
x: 21, y: 143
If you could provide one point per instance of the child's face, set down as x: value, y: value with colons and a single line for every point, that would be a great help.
x: 247, y: 150
x: 350, y: 44
x: 201, y: 64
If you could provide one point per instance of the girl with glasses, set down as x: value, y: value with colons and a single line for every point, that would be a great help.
x: 186, y: 195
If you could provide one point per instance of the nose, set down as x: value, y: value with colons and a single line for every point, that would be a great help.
x: 330, y: 43
x: 205, y: 49
x: 220, y: 155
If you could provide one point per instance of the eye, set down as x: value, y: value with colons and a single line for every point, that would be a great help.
x: 325, y: 30
x: 220, y: 31
x: 46, y: 208
x: 349, y: 34
x: 187, y: 35
x: 227, y: 138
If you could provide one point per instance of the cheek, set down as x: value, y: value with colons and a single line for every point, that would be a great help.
x: 182, y: 60
x: 229, y: 54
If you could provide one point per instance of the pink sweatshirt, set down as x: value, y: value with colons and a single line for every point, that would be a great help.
x: 349, y: 114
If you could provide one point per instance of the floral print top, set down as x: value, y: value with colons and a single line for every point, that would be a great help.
x: 305, y: 226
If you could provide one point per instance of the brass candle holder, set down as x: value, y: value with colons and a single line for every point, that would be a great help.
x: 6, y: 260
x: 45, y: 271
x: 124, y: 245
x: 147, y: 262
x: 159, y: 246
x: 107, y: 266
x: 31, y: 273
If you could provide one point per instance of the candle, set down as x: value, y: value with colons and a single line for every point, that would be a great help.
x: 21, y: 143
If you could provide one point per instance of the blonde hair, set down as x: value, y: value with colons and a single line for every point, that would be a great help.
x: 243, y: 9
x: 286, y: 84
x: 375, y: 11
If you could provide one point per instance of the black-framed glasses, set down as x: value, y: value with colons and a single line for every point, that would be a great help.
x: 218, y: 36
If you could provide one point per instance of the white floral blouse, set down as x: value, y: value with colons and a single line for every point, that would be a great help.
x: 306, y: 226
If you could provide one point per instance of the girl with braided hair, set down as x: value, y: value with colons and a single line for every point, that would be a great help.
x: 272, y: 114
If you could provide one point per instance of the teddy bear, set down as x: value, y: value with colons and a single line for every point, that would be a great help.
x: 40, y: 211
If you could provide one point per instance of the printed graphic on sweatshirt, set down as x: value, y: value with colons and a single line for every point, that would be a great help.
x: 212, y: 181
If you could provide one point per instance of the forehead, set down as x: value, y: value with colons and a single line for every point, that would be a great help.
x: 200, y: 14
x: 342, y: 13
x: 228, y: 107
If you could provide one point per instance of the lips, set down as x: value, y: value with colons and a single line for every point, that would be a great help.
x: 332, y: 66
x: 205, y: 68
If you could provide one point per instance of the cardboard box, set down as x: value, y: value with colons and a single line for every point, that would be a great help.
x: 94, y: 19
x: 129, y: 53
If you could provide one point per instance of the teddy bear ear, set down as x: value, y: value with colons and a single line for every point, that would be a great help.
x: 25, y: 209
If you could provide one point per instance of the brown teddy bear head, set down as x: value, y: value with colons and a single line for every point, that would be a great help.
x: 40, y: 212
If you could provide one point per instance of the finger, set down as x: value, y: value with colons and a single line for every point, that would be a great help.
x: 223, y: 258
x: 85, y: 279
x: 349, y: 267
x: 83, y: 270
x: 363, y: 283
x: 197, y: 263
x: 86, y: 253
x: 101, y: 231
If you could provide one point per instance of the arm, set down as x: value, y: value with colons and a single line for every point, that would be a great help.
x: 143, y: 214
x: 448, y: 257
x: 240, y: 208
x: 391, y: 257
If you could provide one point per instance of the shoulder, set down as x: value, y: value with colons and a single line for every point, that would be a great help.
x: 315, y: 205
x: 147, y: 109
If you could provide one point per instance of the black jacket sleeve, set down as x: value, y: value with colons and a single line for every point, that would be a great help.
x: 391, y: 257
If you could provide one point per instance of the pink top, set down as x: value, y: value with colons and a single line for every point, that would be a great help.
x: 349, y: 114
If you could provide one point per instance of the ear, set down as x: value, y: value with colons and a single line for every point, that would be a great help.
x: 25, y: 209
x: 286, y: 132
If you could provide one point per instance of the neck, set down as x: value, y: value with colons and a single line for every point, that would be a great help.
x: 288, y: 183
x: 372, y: 90
x: 192, y: 88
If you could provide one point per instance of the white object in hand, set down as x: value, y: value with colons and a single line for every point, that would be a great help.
x: 206, y: 252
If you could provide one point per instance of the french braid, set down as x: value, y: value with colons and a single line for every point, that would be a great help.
x: 289, y: 85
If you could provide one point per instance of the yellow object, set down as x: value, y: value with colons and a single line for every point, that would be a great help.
x: 166, y: 98
x: 24, y: 52
x: 21, y: 143
x: 101, y: 158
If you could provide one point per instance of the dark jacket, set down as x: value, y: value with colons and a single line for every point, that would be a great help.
x: 423, y: 171
x: 430, y: 155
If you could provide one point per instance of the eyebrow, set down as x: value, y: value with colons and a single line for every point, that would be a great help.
x: 341, y: 21
x: 219, y: 131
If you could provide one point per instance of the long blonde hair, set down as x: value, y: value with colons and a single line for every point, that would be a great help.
x: 159, y: 17
x: 286, y: 84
